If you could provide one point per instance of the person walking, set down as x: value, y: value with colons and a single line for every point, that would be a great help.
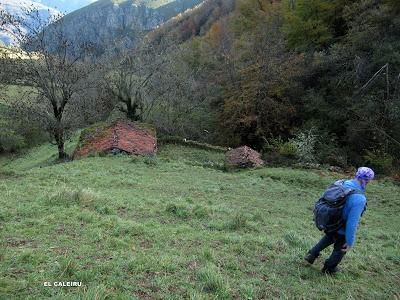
x: 344, y: 238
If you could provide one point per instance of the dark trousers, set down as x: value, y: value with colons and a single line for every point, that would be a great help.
x: 337, y: 254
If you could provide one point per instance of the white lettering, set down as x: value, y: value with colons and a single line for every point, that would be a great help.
x: 63, y: 283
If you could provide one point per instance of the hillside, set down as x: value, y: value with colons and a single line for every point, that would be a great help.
x: 280, y: 70
x: 194, y: 22
x: 177, y: 227
x: 109, y: 22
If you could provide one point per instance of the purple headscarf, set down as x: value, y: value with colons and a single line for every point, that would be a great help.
x: 364, y: 174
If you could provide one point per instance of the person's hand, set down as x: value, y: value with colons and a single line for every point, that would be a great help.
x: 346, y: 248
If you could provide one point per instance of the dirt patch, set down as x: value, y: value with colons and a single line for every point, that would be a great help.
x: 17, y: 242
x: 142, y: 294
x: 122, y: 211
x: 146, y: 244
x: 193, y: 265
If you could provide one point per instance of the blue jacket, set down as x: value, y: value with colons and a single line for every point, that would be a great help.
x: 354, y: 207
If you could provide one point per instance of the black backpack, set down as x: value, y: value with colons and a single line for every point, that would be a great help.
x: 328, y: 211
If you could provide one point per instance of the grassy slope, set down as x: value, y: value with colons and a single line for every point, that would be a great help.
x: 175, y: 227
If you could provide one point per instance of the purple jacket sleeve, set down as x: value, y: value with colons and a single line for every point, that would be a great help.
x: 356, y: 208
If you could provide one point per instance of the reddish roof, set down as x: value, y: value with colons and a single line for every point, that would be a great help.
x: 123, y: 136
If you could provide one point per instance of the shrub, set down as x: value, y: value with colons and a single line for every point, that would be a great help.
x: 328, y: 151
x: 380, y: 161
x: 305, y: 144
x: 279, y: 152
x: 283, y: 148
x: 288, y: 149
x: 10, y: 141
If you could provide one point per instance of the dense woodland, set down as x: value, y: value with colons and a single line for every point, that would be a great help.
x: 310, y: 81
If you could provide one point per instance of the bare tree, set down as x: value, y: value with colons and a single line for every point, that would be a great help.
x: 55, y: 67
x: 132, y: 80
x: 154, y: 83
x: 187, y: 93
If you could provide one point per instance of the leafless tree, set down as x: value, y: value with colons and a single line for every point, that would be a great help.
x: 130, y: 79
x: 55, y: 67
x: 187, y: 92
x: 151, y: 79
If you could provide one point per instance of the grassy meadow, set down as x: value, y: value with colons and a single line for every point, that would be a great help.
x: 178, y: 226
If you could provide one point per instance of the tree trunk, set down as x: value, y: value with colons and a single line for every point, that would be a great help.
x: 131, y: 111
x: 59, y: 137
x: 61, y: 151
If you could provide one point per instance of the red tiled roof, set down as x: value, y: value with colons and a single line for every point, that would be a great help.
x: 123, y: 136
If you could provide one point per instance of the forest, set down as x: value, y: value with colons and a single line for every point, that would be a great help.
x: 310, y: 82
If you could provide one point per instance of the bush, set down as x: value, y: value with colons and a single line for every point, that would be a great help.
x: 305, y: 144
x: 288, y: 149
x: 10, y: 141
x: 282, y: 148
x: 279, y: 152
x: 327, y: 150
x: 18, y: 132
x: 380, y: 161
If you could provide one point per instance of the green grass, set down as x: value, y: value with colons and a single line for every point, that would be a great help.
x: 176, y: 227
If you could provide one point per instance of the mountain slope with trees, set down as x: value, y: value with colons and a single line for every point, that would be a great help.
x: 323, y: 71
x: 301, y: 81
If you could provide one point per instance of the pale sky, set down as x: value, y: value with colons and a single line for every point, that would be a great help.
x: 65, y: 6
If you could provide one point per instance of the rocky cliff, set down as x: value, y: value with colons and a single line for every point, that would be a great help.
x: 109, y: 22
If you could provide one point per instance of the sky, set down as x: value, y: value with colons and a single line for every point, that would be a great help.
x: 65, y: 6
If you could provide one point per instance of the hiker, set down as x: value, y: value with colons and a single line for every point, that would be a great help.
x: 353, y: 205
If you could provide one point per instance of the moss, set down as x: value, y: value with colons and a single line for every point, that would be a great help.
x: 147, y: 127
x: 91, y: 132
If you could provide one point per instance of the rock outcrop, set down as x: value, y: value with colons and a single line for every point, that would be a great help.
x: 120, y: 137
x: 243, y: 157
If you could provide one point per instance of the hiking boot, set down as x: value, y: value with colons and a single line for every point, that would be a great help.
x: 330, y: 271
x: 310, y: 258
